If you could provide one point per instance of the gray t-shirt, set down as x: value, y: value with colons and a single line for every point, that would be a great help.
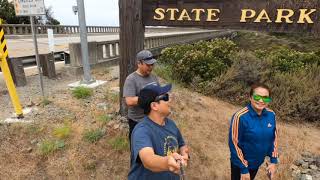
x: 132, y: 86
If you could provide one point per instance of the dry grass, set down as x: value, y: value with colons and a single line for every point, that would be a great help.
x: 204, y: 122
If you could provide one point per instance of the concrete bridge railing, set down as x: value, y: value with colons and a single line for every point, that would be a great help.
x: 108, y: 52
x: 25, y: 29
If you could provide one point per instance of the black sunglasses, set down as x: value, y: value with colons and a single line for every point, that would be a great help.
x: 164, y: 97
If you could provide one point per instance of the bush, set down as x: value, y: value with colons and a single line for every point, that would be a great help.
x: 217, y: 68
x: 289, y: 60
x: 295, y: 93
x: 173, y: 54
x: 203, y: 60
x: 233, y: 84
x: 81, y: 92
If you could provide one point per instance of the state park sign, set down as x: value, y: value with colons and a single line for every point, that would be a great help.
x: 261, y: 15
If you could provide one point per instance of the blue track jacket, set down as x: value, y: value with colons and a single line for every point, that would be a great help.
x: 252, y: 138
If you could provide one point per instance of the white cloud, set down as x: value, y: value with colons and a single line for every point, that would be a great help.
x: 98, y: 12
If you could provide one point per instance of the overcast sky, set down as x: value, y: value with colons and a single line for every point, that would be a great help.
x: 98, y: 12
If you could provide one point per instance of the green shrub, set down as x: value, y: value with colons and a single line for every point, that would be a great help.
x: 47, y: 147
x: 203, y: 60
x: 93, y: 136
x: 295, y: 94
x: 81, y: 92
x: 233, y: 84
x: 173, y: 54
x: 218, y: 68
x: 288, y: 60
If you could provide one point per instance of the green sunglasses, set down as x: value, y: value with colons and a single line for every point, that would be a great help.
x: 265, y: 99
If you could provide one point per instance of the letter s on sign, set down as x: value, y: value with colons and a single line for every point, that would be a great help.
x: 160, y: 13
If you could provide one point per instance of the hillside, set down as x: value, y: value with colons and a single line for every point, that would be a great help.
x: 57, y: 145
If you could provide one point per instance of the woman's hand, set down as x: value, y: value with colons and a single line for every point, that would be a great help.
x: 271, y: 170
x: 245, y: 176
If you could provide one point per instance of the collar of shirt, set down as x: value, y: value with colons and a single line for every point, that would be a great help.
x: 148, y: 120
x: 253, y: 113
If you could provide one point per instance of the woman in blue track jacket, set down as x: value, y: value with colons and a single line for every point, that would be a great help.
x: 253, y: 136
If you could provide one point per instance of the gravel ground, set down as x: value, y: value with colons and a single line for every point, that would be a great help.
x: 30, y: 94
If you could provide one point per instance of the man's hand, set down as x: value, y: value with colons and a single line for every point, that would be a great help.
x: 173, y: 164
x: 185, y: 155
x: 271, y: 170
x: 245, y: 176
x: 131, y: 101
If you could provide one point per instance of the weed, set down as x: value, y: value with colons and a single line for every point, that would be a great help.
x: 46, y: 101
x: 47, y: 147
x: 62, y: 132
x: 34, y: 129
x: 93, y: 135
x: 104, y: 118
x: 81, y: 92
x: 119, y: 143
x: 112, y: 96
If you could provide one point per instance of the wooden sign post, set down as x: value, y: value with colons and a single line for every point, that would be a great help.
x: 131, y: 39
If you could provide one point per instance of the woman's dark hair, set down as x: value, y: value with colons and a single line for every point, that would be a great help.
x: 257, y: 85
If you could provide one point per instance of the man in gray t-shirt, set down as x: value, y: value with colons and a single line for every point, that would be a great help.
x: 134, y: 83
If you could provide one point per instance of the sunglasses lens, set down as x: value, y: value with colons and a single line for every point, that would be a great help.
x: 256, y: 97
x: 267, y: 99
x: 264, y: 99
x: 164, y: 97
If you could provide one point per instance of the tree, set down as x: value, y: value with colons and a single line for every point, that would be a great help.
x: 7, y: 13
x: 48, y: 18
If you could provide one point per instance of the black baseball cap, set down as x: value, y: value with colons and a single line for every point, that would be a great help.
x: 150, y: 92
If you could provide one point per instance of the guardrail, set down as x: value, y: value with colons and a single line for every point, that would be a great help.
x: 108, y: 51
x: 25, y: 29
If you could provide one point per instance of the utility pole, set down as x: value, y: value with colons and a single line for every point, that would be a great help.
x: 84, y: 43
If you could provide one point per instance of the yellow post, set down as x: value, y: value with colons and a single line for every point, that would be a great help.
x: 7, y: 75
